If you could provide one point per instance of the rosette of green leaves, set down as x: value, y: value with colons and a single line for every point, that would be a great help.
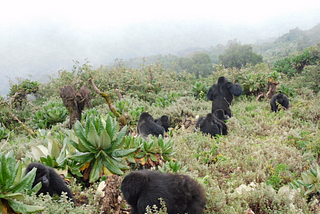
x: 310, y: 182
x: 39, y: 120
x: 199, y: 90
x: 154, y: 146
x: 4, y: 133
x: 173, y: 166
x: 56, y: 115
x: 99, y: 143
x: 13, y: 183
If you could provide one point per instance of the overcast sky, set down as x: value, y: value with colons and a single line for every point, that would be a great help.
x: 84, y: 29
x: 96, y: 14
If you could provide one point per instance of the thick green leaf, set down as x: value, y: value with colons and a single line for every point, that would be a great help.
x: 24, y: 208
x: 92, y: 136
x: 122, y: 152
x: 18, y: 173
x: 96, y: 170
x: 108, y: 163
x: 5, y: 173
x: 82, y: 158
x: 17, y: 196
x: 80, y: 133
x: 63, y: 154
x: 110, y: 127
x: 119, y: 140
x: 25, y: 183
x: 54, y: 149
x: 119, y: 164
x: 105, y: 140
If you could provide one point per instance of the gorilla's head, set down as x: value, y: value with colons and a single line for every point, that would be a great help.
x: 222, y: 80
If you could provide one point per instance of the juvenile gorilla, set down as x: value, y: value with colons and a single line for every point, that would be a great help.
x: 52, y: 183
x: 146, y: 126
x: 219, y: 113
x: 279, y: 99
x: 221, y: 95
x: 212, y: 125
x: 180, y: 193
x: 164, y: 122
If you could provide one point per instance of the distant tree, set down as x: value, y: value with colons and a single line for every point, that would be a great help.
x: 198, y: 64
x: 239, y: 55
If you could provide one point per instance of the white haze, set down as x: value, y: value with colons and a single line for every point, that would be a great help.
x: 41, y: 37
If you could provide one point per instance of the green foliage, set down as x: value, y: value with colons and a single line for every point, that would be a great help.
x: 99, y: 144
x: 167, y: 99
x: 173, y: 167
x: 25, y: 86
x: 310, y: 183
x: 135, y: 114
x: 51, y: 114
x: 4, y: 133
x: 149, y: 151
x: 199, y: 64
x: 238, y: 56
x: 199, y: 90
x: 276, y: 179
x: 296, y: 63
x: 13, y: 184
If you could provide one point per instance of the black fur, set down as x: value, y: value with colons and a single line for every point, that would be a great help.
x: 181, y: 193
x: 221, y: 95
x: 279, y: 99
x: 146, y: 126
x: 52, y: 183
x: 164, y: 122
x: 219, y: 113
x: 212, y: 125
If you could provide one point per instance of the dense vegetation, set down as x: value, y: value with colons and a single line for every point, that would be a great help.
x: 268, y: 163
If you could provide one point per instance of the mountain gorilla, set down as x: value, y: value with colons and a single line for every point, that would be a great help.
x: 164, y: 122
x: 279, y: 99
x: 146, y: 126
x: 219, y: 113
x: 52, y: 183
x: 221, y: 95
x: 212, y: 125
x: 181, y: 193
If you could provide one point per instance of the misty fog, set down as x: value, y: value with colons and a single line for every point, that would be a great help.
x: 43, y: 46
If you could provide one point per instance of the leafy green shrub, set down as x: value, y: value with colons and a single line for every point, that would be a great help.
x: 13, y: 184
x: 51, y: 114
x: 310, y: 183
x: 199, y: 90
x: 25, y: 86
x: 166, y: 99
x: 99, y: 146
x: 4, y: 133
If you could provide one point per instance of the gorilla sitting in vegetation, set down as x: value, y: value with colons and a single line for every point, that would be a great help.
x: 164, y: 122
x: 147, y: 126
x: 279, y: 99
x: 52, y: 183
x: 212, y: 125
x: 221, y: 95
x: 181, y: 193
x: 219, y: 113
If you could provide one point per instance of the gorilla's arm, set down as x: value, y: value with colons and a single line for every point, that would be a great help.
x: 211, y: 92
x: 235, y: 89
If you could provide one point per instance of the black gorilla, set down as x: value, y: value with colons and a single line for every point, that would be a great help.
x: 180, y: 193
x: 51, y: 181
x: 212, y: 125
x: 279, y: 99
x: 219, y: 113
x: 164, y: 122
x: 146, y: 126
x: 221, y: 95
